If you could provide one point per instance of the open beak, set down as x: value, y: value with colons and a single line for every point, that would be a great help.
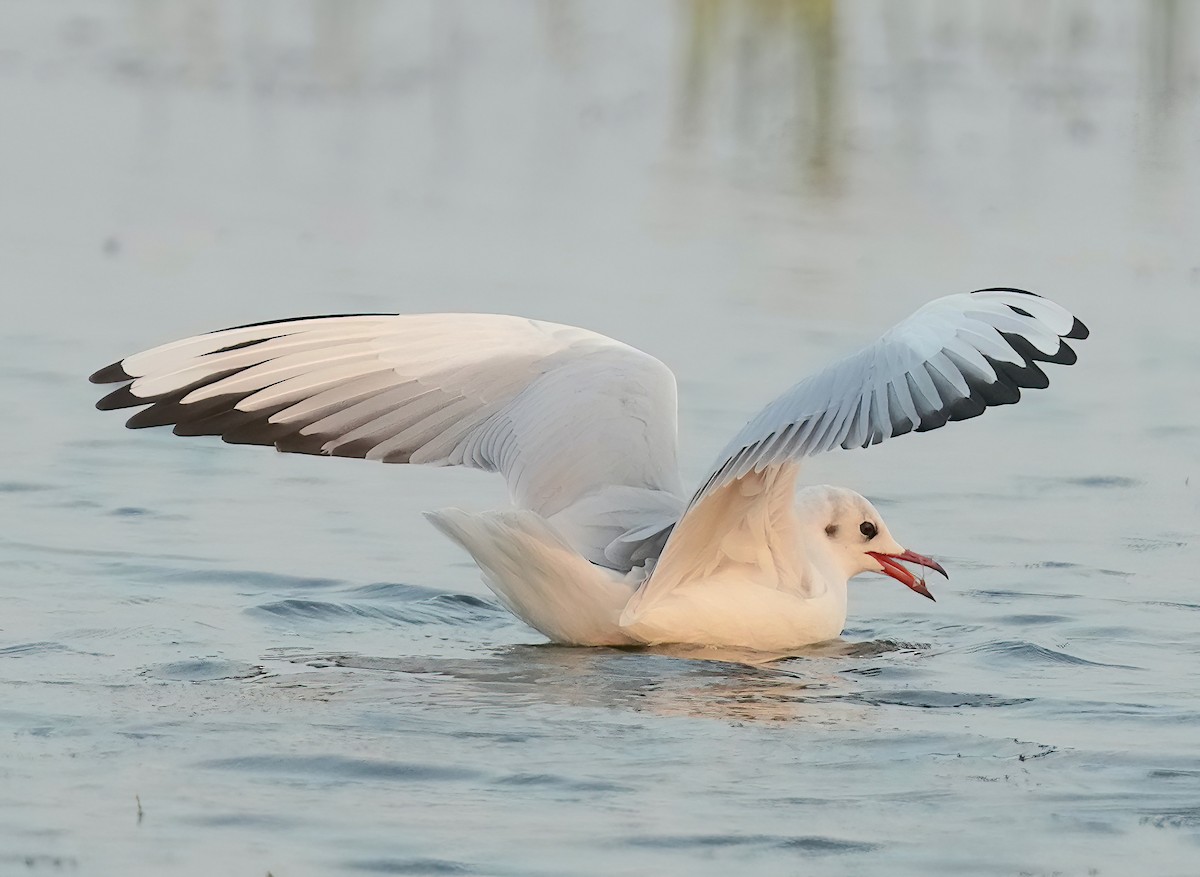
x: 891, y: 567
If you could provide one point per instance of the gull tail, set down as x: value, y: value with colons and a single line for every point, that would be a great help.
x: 539, y: 578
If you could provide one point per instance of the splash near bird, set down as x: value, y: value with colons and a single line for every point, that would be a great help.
x: 604, y: 546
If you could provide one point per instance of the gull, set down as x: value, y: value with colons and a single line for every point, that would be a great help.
x: 604, y: 545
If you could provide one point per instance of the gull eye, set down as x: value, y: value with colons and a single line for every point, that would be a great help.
x: 868, y: 529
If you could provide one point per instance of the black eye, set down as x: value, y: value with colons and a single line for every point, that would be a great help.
x: 867, y: 529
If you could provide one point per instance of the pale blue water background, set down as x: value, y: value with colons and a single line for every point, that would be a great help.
x: 294, y: 674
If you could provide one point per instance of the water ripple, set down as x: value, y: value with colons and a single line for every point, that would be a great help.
x: 266, y: 581
x: 441, y: 609
x: 23, y: 487
x: 995, y: 596
x: 21, y: 650
x: 1186, y: 817
x: 1102, y: 481
x: 560, y: 782
x: 1024, y: 620
x: 409, y: 866
x: 241, y: 819
x: 342, y: 768
x: 395, y: 591
x: 1023, y: 650
x: 807, y: 843
x: 930, y: 699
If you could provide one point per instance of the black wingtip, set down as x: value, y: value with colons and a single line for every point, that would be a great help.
x: 295, y: 320
x: 111, y: 374
x: 1006, y: 289
x: 122, y: 397
x: 1078, y: 330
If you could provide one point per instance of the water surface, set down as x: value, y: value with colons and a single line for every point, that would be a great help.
x: 224, y: 660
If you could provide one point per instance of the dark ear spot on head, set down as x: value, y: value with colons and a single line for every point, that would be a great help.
x: 831, y: 530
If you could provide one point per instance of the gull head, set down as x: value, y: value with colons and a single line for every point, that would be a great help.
x: 853, y: 534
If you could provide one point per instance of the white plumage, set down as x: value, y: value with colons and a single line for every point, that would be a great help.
x: 604, y: 547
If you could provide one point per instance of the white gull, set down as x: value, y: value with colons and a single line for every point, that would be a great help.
x: 604, y: 547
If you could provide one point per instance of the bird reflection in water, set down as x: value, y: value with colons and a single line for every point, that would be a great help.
x: 722, y: 684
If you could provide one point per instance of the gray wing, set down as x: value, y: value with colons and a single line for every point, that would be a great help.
x: 559, y: 411
x: 951, y: 360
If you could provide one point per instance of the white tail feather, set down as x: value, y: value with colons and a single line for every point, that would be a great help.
x: 539, y: 578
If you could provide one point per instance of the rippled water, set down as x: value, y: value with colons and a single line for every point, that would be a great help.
x: 221, y: 660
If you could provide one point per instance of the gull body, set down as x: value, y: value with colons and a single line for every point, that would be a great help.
x: 603, y: 545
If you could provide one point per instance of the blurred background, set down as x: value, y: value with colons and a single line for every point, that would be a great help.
x: 683, y: 176
x: 746, y: 190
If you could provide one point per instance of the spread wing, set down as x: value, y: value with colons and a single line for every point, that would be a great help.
x: 951, y: 360
x: 559, y: 411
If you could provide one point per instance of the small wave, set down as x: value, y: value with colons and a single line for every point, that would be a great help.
x: 1163, y: 773
x: 394, y: 591
x: 1090, y: 482
x: 240, y: 819
x: 1113, y: 710
x: 1142, y: 545
x: 1026, y: 651
x: 267, y: 581
x: 440, y: 609
x: 541, y: 779
x: 316, y: 609
x: 1030, y: 619
x: 808, y: 843
x: 928, y: 699
x: 892, y: 671
x: 66, y: 550
x: 467, y: 600
x: 409, y: 866
x: 23, y: 487
x: 341, y: 767
x: 1172, y: 605
x: 1005, y: 596
x: 1102, y: 481
x: 21, y: 650
x: 1188, y: 818
x: 839, y: 648
x: 877, y: 647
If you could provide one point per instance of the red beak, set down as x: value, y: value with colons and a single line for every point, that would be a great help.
x: 891, y: 567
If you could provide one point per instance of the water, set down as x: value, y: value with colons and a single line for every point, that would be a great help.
x: 222, y: 660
